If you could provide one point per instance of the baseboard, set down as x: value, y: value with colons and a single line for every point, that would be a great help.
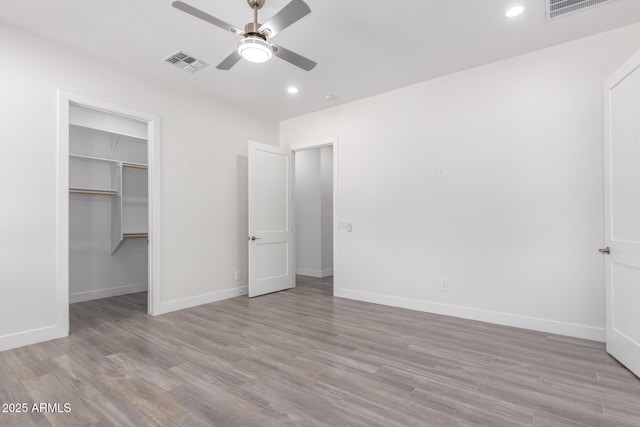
x: 315, y: 273
x: 107, y: 293
x: 181, y: 304
x: 33, y: 336
x: 326, y: 272
x: 500, y: 318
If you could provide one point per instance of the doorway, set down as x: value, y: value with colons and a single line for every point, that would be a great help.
x: 271, y: 216
x: 108, y: 205
x: 316, y: 213
x: 314, y: 216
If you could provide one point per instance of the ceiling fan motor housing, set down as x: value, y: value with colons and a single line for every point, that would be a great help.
x: 257, y: 4
x: 252, y: 29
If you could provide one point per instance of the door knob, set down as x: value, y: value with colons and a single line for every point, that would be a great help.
x: 606, y: 250
x: 255, y: 238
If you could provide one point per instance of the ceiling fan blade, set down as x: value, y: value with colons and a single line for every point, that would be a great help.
x: 293, y: 58
x: 229, y: 61
x: 287, y: 16
x: 206, y: 17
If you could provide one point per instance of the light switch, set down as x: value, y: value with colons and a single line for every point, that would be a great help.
x: 345, y: 226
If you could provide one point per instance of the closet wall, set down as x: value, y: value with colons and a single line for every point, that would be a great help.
x: 108, y: 205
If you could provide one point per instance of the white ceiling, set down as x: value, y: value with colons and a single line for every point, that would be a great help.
x: 362, y: 47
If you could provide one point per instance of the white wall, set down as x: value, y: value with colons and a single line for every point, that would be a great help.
x: 94, y: 272
x: 203, y: 149
x: 515, y: 226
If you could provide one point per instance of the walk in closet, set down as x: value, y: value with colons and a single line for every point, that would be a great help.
x: 108, y: 205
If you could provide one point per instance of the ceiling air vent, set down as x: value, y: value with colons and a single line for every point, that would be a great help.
x: 556, y: 8
x: 185, y: 61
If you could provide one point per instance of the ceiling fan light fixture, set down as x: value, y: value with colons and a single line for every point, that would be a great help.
x: 254, y: 49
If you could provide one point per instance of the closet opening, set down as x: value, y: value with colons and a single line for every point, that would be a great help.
x: 108, y: 217
x: 314, y: 217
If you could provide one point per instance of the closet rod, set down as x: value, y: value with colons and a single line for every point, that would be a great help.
x: 134, y: 166
x: 93, y: 192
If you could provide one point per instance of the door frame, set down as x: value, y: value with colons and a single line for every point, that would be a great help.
x: 310, y: 145
x: 65, y: 101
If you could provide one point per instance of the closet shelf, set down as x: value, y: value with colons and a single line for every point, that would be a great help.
x: 135, y: 138
x: 136, y: 235
x: 103, y: 159
x: 134, y: 165
x: 93, y: 192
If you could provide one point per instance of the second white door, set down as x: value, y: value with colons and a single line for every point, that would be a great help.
x: 622, y: 212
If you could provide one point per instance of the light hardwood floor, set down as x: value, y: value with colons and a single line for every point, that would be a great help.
x: 302, y: 357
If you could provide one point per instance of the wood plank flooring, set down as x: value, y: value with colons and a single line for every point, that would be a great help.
x: 302, y: 357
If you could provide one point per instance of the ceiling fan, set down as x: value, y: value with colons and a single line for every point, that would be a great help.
x: 255, y: 45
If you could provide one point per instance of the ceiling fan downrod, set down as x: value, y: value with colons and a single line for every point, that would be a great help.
x: 252, y: 28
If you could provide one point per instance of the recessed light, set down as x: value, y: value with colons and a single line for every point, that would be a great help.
x: 514, y: 11
x: 292, y: 90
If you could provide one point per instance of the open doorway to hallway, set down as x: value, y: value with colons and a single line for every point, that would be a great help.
x: 314, y: 217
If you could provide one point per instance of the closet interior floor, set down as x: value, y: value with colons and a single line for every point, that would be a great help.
x: 303, y: 357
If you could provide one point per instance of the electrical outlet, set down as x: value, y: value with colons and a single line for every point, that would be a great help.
x: 444, y: 285
x: 238, y: 275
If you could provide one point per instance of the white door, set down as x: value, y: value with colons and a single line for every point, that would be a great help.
x: 622, y: 213
x: 270, y: 219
